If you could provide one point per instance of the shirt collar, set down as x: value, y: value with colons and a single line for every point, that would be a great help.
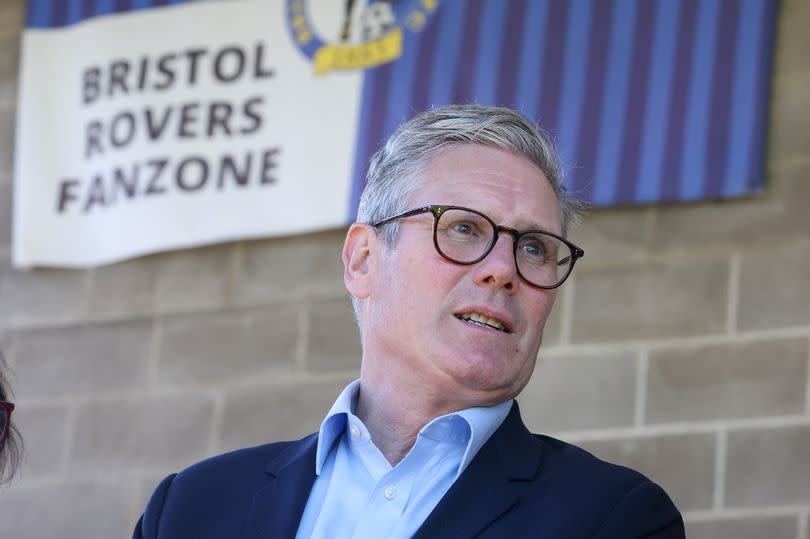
x: 334, y: 425
x: 483, y: 421
x: 471, y: 426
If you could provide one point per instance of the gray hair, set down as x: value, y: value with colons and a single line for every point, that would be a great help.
x: 394, y: 173
x: 395, y: 170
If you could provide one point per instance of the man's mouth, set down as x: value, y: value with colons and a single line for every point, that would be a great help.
x: 482, y: 320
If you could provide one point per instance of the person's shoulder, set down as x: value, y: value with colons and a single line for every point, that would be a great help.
x: 612, y: 496
x: 233, y: 465
x: 208, y: 498
x: 577, y: 464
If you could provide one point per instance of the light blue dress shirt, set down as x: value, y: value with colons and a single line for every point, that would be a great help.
x: 359, y: 495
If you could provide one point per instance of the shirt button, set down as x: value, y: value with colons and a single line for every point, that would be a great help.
x: 390, y: 492
x: 355, y: 432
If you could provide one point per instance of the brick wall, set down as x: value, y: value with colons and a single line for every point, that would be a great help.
x: 681, y: 347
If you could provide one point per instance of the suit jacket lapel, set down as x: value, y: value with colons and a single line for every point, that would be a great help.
x: 488, y: 487
x: 277, y: 507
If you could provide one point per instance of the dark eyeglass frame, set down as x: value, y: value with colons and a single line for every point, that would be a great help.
x: 9, y: 407
x: 437, y: 210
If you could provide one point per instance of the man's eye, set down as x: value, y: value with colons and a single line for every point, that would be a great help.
x: 533, y: 249
x: 463, y: 228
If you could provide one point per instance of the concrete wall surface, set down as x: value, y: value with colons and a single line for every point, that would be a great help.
x: 681, y: 347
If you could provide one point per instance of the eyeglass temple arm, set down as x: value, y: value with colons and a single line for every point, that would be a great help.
x: 578, y: 253
x: 415, y: 211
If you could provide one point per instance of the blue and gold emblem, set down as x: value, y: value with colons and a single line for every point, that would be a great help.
x: 367, y: 34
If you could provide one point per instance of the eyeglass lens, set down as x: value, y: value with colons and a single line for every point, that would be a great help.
x: 465, y: 237
x: 3, y: 422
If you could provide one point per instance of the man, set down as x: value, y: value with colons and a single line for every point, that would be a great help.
x: 453, y: 267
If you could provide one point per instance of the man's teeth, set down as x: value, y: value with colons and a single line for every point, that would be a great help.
x: 483, y: 320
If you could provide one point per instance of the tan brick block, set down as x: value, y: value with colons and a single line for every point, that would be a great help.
x: 792, y: 38
x: 7, y: 142
x: 768, y: 466
x: 334, y: 340
x: 552, y: 332
x: 608, y: 234
x: 788, y: 133
x: 794, y: 190
x: 77, y: 360
x: 12, y: 17
x: 126, y: 289
x: 775, y: 288
x: 273, y: 413
x: 683, y: 464
x: 155, y: 433
x: 580, y: 392
x: 6, y: 214
x: 651, y: 301
x: 80, y: 510
x: 215, y: 347
x: 780, y: 527
x: 193, y: 280
x: 45, y: 433
x: 40, y: 297
x: 9, y: 66
x: 738, y: 380
x: 302, y: 266
x: 777, y: 215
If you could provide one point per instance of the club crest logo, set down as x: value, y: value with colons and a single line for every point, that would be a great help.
x: 351, y: 34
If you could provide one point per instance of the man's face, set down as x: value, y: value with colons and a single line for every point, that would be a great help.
x: 413, y: 335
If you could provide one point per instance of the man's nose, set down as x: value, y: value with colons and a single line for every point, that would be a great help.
x: 499, y: 268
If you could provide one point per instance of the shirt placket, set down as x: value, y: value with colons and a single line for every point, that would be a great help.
x: 389, y: 499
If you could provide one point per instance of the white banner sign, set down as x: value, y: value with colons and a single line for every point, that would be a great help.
x: 177, y: 126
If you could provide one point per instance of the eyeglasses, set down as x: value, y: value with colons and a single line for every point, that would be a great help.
x: 466, y: 236
x: 5, y: 418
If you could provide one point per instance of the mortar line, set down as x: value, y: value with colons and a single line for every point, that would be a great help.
x: 683, y: 428
x: 807, y: 387
x: 235, y: 265
x: 642, y: 368
x: 217, y: 421
x: 698, y: 515
x: 267, y: 379
x: 733, y: 294
x: 71, y: 423
x: 302, y: 346
x: 89, y: 285
x: 567, y: 318
x: 720, y: 463
x: 153, y: 357
x: 684, y: 341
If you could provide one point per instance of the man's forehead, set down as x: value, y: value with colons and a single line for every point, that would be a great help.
x: 537, y: 209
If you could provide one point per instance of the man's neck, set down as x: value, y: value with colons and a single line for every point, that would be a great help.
x: 394, y: 418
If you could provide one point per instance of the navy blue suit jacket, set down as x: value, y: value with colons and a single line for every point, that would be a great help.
x: 518, y: 485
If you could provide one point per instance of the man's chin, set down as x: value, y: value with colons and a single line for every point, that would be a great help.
x: 483, y: 383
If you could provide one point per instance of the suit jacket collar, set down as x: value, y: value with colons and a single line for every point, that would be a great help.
x: 486, y: 490
x: 277, y: 507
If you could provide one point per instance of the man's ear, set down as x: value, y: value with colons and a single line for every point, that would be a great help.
x: 359, y: 251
